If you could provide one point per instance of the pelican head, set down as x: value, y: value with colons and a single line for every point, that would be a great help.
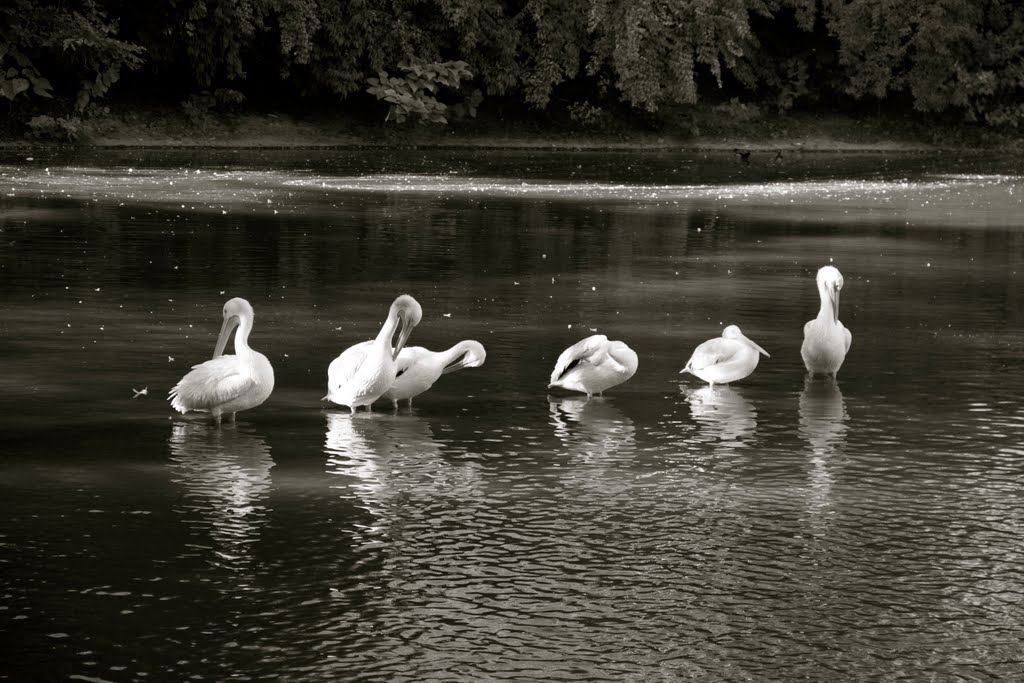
x: 830, y: 282
x: 473, y: 356
x: 235, y: 311
x: 733, y: 332
x: 409, y: 314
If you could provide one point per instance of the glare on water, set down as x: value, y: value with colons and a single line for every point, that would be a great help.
x: 774, y: 528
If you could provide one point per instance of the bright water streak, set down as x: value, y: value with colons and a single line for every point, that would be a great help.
x: 774, y: 529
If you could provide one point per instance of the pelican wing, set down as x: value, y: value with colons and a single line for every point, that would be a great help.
x: 409, y: 357
x: 578, y: 353
x: 210, y: 384
x: 349, y: 362
x: 418, y: 369
x: 624, y: 358
x: 847, y: 337
x: 713, y: 352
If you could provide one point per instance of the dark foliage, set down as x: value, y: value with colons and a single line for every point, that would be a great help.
x: 436, y: 60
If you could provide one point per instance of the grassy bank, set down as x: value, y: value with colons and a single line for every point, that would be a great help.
x: 710, y: 128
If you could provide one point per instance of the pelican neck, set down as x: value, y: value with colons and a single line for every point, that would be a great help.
x: 242, y: 336
x: 387, y: 330
x: 825, y: 312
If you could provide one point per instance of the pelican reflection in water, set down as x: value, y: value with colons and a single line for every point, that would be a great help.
x: 592, y: 429
x: 826, y: 340
x: 392, y: 466
x: 227, y: 384
x: 363, y: 372
x: 724, y: 359
x: 723, y: 413
x: 823, y: 425
x: 594, y: 364
x: 224, y: 475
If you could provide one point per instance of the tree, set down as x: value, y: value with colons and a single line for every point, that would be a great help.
x: 63, y: 49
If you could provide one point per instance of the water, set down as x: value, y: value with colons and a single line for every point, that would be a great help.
x: 775, y: 529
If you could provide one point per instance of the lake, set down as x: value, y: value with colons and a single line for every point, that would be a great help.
x: 777, y: 528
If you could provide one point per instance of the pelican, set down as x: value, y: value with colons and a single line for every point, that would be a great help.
x: 227, y: 384
x: 724, y: 359
x: 594, y: 364
x: 826, y: 341
x: 363, y: 372
x: 419, y: 368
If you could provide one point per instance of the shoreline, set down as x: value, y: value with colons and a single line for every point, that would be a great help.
x: 804, y: 133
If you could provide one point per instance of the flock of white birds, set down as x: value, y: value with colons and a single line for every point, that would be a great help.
x: 383, y: 369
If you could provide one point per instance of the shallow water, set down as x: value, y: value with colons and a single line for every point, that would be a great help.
x: 773, y: 529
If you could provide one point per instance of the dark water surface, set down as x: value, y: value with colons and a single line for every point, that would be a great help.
x: 775, y: 529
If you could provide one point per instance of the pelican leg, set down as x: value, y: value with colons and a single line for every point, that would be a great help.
x: 216, y: 416
x: 353, y: 409
x: 232, y: 417
x: 394, y: 404
x: 410, y: 403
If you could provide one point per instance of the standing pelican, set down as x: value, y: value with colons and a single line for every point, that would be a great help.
x: 826, y: 341
x: 363, y: 372
x: 419, y: 368
x: 724, y: 359
x: 227, y: 384
x: 594, y: 364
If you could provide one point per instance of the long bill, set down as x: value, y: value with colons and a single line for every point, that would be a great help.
x: 835, y: 304
x: 403, y: 336
x: 462, y: 361
x: 752, y: 343
x: 225, y: 334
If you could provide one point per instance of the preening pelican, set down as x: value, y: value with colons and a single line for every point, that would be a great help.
x: 363, y: 372
x: 419, y: 368
x: 227, y: 384
x: 724, y: 359
x: 593, y: 365
x: 826, y: 341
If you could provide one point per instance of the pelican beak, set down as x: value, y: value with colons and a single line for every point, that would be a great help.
x: 225, y: 333
x: 835, y: 302
x: 751, y: 342
x: 403, y: 336
x: 464, y: 361
x: 470, y: 358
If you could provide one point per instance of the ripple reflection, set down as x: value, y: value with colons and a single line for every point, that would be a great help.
x: 823, y: 425
x: 592, y: 429
x: 381, y: 459
x: 225, y: 474
x: 723, y: 414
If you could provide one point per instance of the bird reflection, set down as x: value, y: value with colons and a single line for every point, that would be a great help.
x: 593, y: 429
x: 379, y: 459
x: 225, y: 475
x: 723, y: 413
x: 823, y: 419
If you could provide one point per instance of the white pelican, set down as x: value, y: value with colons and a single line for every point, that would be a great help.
x: 594, y: 364
x: 826, y: 341
x: 363, y: 372
x: 419, y: 368
x: 724, y: 359
x: 227, y: 384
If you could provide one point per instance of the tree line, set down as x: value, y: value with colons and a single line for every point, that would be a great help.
x: 436, y: 60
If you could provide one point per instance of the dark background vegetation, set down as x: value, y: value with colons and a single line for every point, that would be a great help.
x: 583, y: 64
